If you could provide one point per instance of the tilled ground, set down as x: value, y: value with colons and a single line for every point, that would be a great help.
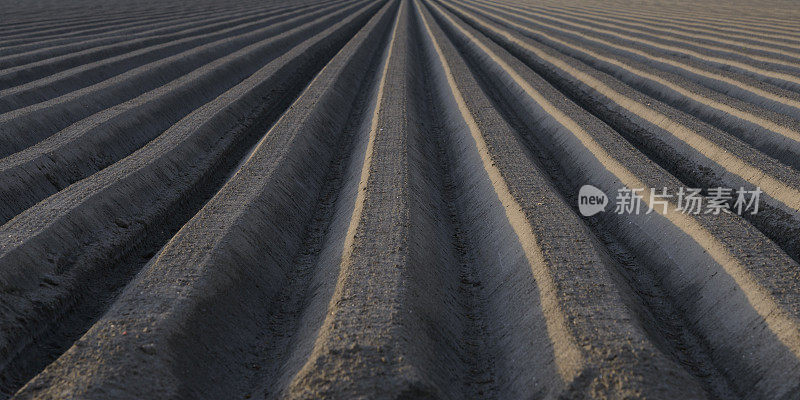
x: 379, y: 199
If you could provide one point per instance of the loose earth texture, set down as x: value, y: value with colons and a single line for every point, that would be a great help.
x: 380, y: 199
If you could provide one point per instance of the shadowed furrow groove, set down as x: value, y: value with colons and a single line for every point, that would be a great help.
x: 107, y: 27
x: 503, y: 141
x: 775, y: 134
x: 698, y: 22
x: 116, y: 132
x: 787, y: 59
x: 123, y: 28
x: 747, y: 244
x: 43, y: 119
x: 144, y: 64
x: 728, y: 82
x: 700, y: 155
x: 692, y: 33
x: 30, y: 66
x: 248, y: 191
x: 229, y: 124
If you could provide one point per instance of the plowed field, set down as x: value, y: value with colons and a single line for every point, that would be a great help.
x: 382, y: 199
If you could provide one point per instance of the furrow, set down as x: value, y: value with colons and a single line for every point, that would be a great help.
x: 784, y: 56
x: 67, y: 21
x: 64, y: 19
x: 715, y: 17
x: 299, y: 307
x: 32, y: 53
x: 622, y: 303
x: 95, y: 142
x: 786, y: 77
x: 400, y: 199
x: 7, y: 27
x: 778, y: 184
x: 301, y: 144
x: 86, y: 29
x: 373, y: 315
x: 85, y: 235
x: 734, y: 286
x: 710, y: 26
x: 575, y: 281
x: 62, y: 15
x: 23, y: 84
x: 413, y: 293
x: 658, y: 25
x: 740, y: 87
x: 36, y: 29
x: 109, y: 25
x: 772, y: 133
x: 715, y: 21
x: 41, y: 120
x: 699, y: 154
